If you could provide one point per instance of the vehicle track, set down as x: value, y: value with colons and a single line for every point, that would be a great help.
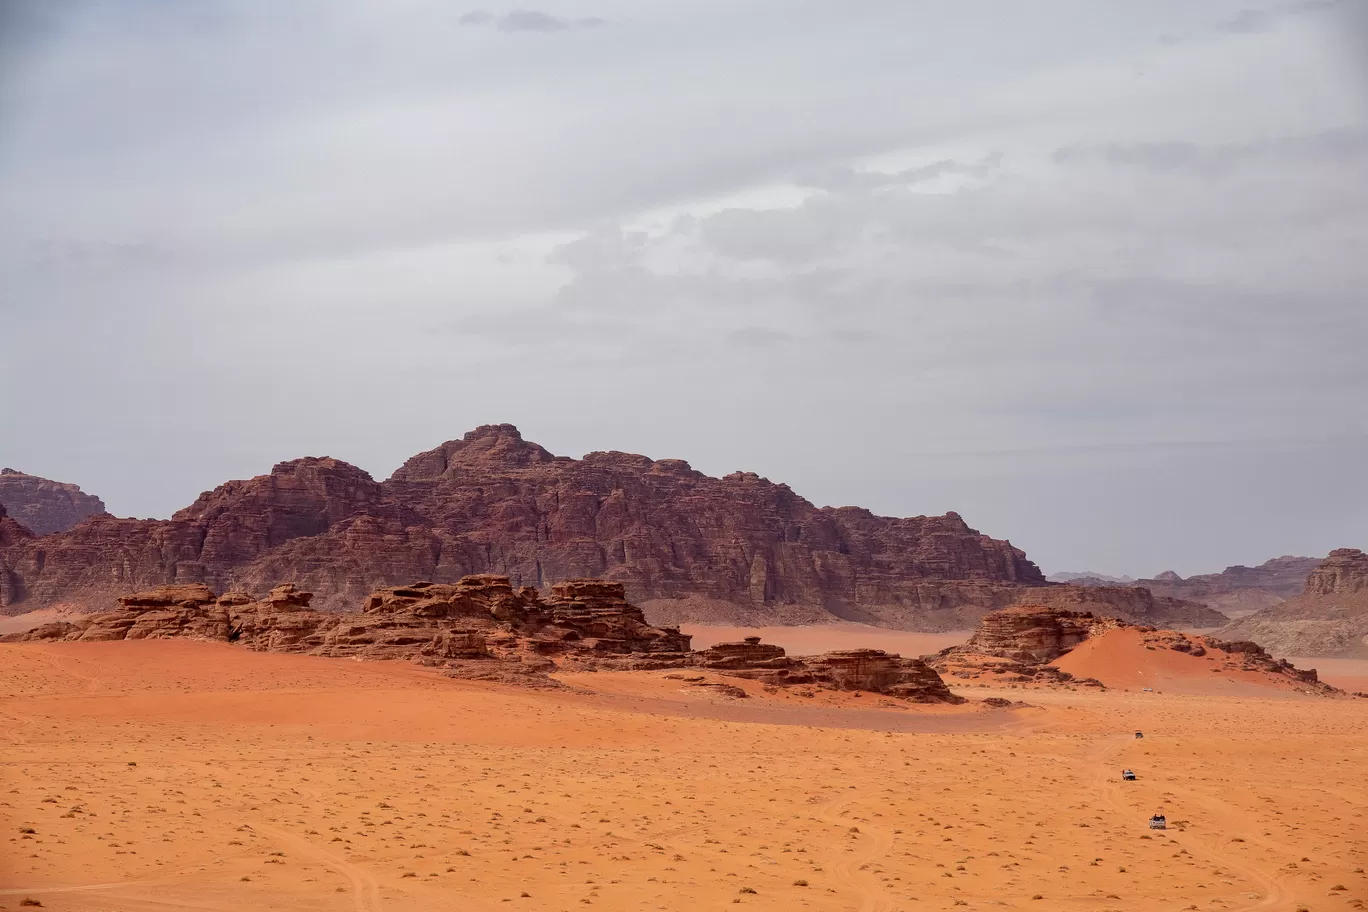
x: 1106, y: 783
x: 365, y: 888
x: 847, y: 871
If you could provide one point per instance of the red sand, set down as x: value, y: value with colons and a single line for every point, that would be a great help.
x: 1120, y: 658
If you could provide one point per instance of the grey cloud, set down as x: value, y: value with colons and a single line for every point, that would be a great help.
x: 1340, y: 145
x: 759, y: 336
x: 772, y: 216
x: 1258, y: 19
x: 525, y: 20
x: 844, y: 179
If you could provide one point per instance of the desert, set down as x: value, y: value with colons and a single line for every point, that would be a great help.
x: 181, y: 774
x: 683, y: 456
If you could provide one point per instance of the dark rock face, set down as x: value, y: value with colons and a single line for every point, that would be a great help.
x: 1329, y: 618
x: 42, y: 506
x: 491, y: 502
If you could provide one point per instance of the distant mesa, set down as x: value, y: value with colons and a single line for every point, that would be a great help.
x: 1329, y: 617
x: 1089, y: 577
x: 1235, y: 591
x: 42, y: 506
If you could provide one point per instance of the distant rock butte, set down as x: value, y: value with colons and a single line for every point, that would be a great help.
x: 1329, y: 618
x: 45, y: 507
x: 482, y: 627
x: 685, y: 545
x: 1018, y: 645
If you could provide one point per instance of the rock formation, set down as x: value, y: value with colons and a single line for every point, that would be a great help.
x: 1329, y: 618
x: 1235, y: 591
x: 685, y: 545
x: 1019, y: 644
x: 1126, y: 602
x: 482, y: 627
x: 42, y: 506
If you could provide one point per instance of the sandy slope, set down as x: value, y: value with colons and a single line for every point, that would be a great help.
x: 1120, y: 658
x: 270, y: 782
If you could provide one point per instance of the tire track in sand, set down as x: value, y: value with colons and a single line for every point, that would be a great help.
x: 1104, y: 781
x: 848, y: 871
x: 365, y: 888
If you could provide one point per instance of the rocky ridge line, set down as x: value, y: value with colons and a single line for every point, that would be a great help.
x: 685, y: 545
x: 482, y: 627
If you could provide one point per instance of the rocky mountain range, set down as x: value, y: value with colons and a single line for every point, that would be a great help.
x: 1328, y: 618
x: 43, y: 506
x: 1235, y: 591
x: 740, y: 549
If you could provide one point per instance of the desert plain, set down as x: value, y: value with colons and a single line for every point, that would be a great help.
x: 161, y: 775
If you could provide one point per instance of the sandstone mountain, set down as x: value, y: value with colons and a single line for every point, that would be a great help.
x: 1329, y: 618
x: 42, y: 506
x: 1238, y: 590
x: 688, y: 547
x: 680, y: 540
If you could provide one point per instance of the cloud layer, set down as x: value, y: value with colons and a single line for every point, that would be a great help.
x: 1089, y: 273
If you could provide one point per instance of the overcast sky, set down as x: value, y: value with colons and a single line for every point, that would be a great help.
x: 1092, y: 274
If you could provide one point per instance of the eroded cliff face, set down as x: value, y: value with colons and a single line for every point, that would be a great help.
x: 1329, y: 618
x: 677, y: 539
x: 43, y: 506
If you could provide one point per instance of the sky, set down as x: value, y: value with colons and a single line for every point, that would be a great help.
x: 1091, y: 273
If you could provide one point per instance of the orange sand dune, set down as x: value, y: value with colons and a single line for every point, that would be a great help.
x: 154, y: 776
x: 1120, y: 658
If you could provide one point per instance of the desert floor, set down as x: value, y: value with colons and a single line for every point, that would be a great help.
x: 175, y: 775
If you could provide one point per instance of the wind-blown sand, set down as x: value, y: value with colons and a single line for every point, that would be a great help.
x: 273, y: 782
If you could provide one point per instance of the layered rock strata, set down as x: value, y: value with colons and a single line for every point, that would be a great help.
x: 684, y: 544
x: 1329, y: 618
x: 43, y: 506
x: 869, y: 670
x: 482, y: 627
